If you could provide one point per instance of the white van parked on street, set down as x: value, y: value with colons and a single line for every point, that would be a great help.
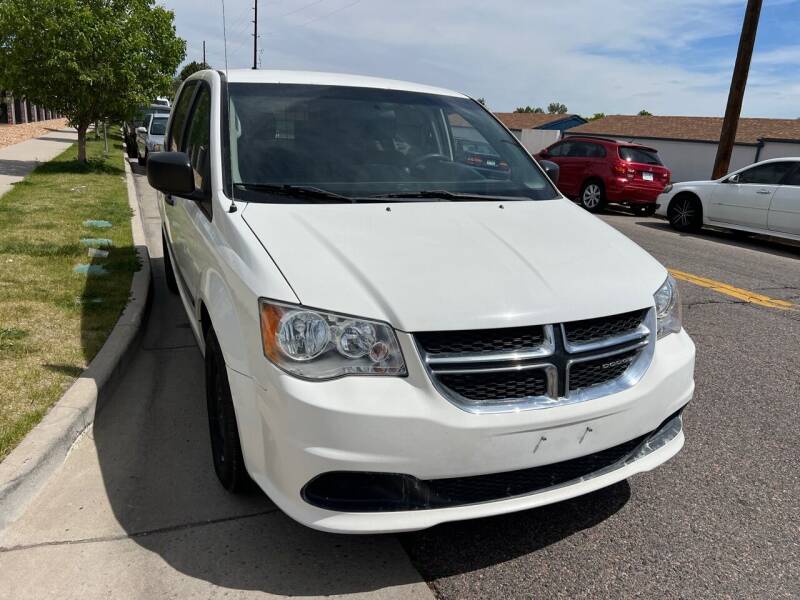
x: 394, y: 337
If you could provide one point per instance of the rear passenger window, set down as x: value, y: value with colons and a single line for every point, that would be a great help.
x: 580, y: 150
x: 597, y: 151
x: 197, y: 141
x: 794, y: 178
x: 768, y: 174
x: 179, y: 114
x: 560, y: 149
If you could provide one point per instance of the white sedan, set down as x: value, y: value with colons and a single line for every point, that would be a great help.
x: 760, y: 198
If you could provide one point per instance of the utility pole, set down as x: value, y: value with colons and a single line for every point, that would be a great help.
x: 738, y: 83
x: 204, y: 53
x: 255, y: 35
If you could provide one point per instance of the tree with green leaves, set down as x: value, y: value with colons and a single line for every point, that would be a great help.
x: 595, y: 116
x: 644, y: 113
x: 557, y: 108
x: 529, y: 109
x: 88, y: 59
x: 192, y: 68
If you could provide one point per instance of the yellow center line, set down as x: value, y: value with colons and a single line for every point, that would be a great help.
x: 733, y: 292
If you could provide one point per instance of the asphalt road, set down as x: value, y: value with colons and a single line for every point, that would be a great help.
x: 136, y: 512
x: 720, y: 520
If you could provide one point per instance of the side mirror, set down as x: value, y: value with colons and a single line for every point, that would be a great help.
x: 733, y: 178
x: 552, y: 170
x: 170, y: 173
x: 141, y: 130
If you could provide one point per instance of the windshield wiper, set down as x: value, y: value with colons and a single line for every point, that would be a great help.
x: 299, y: 191
x: 444, y: 195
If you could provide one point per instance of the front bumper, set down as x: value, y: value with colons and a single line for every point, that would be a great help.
x: 299, y: 430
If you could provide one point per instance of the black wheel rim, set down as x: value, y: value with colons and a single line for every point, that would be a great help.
x: 683, y: 213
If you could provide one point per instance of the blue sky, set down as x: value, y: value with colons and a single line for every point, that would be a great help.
x: 668, y: 56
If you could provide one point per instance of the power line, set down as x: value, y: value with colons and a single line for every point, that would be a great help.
x: 333, y: 12
x: 297, y: 10
x: 320, y: 17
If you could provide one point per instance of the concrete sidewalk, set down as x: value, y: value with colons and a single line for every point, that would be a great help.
x: 17, y: 160
x: 136, y: 511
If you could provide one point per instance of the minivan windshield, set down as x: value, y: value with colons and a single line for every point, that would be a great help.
x: 364, y: 143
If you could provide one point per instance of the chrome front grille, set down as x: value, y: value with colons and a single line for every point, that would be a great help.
x: 512, y: 339
x: 542, y: 366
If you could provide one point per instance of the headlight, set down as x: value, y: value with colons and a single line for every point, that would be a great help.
x: 668, y: 308
x: 667, y: 188
x: 157, y: 147
x: 318, y: 345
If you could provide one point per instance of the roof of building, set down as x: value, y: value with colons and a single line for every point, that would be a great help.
x: 320, y: 78
x: 703, y: 129
x: 529, y: 120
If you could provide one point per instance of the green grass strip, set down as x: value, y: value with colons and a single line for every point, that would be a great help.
x: 52, y: 319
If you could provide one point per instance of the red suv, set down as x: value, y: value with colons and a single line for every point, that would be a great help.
x: 596, y: 171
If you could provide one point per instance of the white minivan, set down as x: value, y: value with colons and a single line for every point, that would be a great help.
x: 403, y: 321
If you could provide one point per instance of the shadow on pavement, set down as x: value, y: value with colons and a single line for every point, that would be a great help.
x: 769, y: 245
x: 17, y: 168
x: 455, y: 548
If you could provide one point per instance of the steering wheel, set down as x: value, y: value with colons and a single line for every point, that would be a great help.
x: 419, y: 163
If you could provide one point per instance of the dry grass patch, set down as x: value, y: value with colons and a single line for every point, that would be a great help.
x: 53, y: 320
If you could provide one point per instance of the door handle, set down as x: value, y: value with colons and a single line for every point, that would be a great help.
x: 764, y: 192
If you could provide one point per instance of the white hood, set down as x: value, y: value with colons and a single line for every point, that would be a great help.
x: 456, y: 265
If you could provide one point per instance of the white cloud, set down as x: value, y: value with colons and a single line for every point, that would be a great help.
x: 596, y: 57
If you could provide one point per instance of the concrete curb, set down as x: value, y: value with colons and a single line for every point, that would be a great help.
x: 25, y: 471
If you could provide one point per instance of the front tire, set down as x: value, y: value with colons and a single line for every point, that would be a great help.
x: 226, y: 449
x: 685, y: 213
x: 131, y: 148
x: 593, y: 196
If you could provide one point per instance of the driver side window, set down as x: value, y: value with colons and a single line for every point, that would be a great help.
x: 768, y: 174
x: 197, y: 146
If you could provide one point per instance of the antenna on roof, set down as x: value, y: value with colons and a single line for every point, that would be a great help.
x: 232, y: 207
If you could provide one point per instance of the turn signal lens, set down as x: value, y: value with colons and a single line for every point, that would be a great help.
x: 313, y: 344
